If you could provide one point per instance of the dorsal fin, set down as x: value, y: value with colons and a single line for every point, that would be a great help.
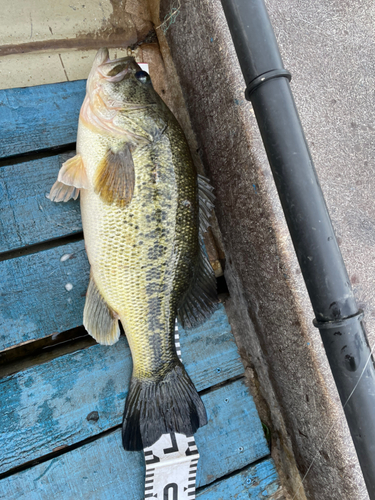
x: 115, y: 177
x: 200, y: 300
x: 206, y: 202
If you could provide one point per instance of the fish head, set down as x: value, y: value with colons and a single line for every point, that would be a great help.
x: 114, y: 90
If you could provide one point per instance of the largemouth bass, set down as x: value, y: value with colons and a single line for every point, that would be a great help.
x: 142, y: 205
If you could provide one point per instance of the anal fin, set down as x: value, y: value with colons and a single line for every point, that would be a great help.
x: 100, y: 321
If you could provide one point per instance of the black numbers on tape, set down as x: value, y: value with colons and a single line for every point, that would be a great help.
x: 150, y: 458
x: 155, y: 486
x: 171, y: 488
x: 174, y: 447
x: 192, y: 450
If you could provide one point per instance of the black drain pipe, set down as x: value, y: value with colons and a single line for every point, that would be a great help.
x: 337, y: 315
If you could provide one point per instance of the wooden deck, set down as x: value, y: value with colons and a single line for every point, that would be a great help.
x: 62, y: 395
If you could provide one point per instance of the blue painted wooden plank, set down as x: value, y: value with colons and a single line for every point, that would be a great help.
x: 34, y: 302
x: 102, y: 470
x: 46, y: 406
x: 258, y: 481
x: 26, y: 215
x: 39, y: 117
x: 234, y: 423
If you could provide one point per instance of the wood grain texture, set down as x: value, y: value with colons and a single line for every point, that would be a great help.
x: 39, y: 117
x: 34, y: 302
x: 27, y: 216
x: 47, y: 405
x: 102, y: 470
x: 259, y: 481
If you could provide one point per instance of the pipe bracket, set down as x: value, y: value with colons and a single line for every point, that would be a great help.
x: 269, y: 75
x: 339, y: 323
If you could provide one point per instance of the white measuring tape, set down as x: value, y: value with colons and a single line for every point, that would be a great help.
x: 171, y: 462
x: 171, y: 468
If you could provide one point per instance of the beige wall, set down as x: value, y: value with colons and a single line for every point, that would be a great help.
x: 44, y: 41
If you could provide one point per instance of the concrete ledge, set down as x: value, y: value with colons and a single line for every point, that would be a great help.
x: 269, y: 310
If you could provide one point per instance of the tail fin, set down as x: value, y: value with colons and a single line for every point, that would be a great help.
x: 156, y: 407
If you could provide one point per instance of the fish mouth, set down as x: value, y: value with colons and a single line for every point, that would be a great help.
x: 114, y: 70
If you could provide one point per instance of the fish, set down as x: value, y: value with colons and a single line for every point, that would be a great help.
x: 144, y: 210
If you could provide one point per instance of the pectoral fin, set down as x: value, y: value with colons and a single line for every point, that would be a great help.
x: 99, y: 319
x: 73, y: 173
x: 115, y: 177
x: 62, y: 192
x: 72, y: 177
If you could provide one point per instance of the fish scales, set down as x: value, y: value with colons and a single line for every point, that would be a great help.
x: 140, y: 210
x: 136, y: 252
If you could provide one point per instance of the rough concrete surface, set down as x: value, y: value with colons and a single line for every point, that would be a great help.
x: 328, y: 47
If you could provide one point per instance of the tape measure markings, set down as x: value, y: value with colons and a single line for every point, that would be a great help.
x: 171, y: 468
x: 177, y: 341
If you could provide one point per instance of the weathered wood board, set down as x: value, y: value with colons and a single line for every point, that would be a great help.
x: 46, y: 406
x: 102, y: 470
x: 258, y: 481
x: 27, y: 216
x: 34, y: 301
x: 39, y: 117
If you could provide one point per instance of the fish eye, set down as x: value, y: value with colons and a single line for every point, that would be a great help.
x: 143, y: 77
